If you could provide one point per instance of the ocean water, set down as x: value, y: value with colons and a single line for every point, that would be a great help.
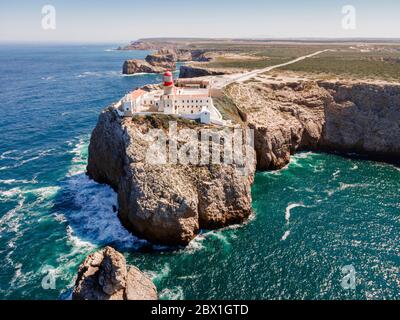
x: 320, y: 214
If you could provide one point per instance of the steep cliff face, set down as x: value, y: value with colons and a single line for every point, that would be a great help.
x: 285, y: 118
x: 165, y: 203
x: 289, y: 116
x: 363, y: 118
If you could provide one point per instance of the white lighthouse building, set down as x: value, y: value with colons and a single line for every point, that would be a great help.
x: 185, y: 101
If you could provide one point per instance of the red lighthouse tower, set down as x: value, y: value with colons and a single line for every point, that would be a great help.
x: 168, y: 82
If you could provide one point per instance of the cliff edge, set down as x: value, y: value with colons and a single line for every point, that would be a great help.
x: 290, y: 115
x: 166, y: 203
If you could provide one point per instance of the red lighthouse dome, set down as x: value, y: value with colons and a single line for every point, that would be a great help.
x: 168, y: 79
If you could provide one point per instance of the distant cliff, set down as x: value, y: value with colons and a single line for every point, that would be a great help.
x: 139, y: 66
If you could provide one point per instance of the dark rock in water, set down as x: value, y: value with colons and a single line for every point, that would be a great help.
x: 104, y: 276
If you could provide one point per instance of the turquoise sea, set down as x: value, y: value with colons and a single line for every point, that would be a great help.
x: 320, y: 214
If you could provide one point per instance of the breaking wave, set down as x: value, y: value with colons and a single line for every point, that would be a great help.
x: 175, y: 293
x: 93, y: 218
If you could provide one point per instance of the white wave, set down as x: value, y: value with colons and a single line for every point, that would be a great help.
x: 49, y: 78
x: 77, y: 242
x: 285, y: 235
x: 354, y: 167
x: 110, y: 73
x: 44, y: 193
x: 289, y: 209
x: 221, y: 237
x: 345, y: 186
x: 303, y: 155
x: 95, y: 216
x: 175, y: 293
x: 22, y: 161
x: 7, y: 155
x: 136, y: 74
x: 10, y: 221
x: 189, y: 277
x: 195, y: 245
x: 336, y: 174
x: 157, y: 276
x: 10, y: 194
x: 16, y: 181
x: 80, y: 156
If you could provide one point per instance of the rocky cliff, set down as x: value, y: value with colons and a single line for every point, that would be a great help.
x: 163, y: 59
x: 294, y: 115
x: 166, y: 203
x: 139, y: 66
x: 169, y: 203
x: 104, y: 276
x: 188, y: 71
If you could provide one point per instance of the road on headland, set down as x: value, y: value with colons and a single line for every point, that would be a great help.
x: 221, y: 82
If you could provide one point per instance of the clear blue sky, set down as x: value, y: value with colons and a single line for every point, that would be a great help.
x: 123, y: 20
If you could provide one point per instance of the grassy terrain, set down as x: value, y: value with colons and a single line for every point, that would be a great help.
x: 259, y: 55
x: 380, y: 63
x: 250, y: 64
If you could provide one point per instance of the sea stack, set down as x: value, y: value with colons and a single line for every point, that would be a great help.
x: 104, y: 275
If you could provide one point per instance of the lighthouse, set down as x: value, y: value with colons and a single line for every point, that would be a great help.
x: 168, y: 83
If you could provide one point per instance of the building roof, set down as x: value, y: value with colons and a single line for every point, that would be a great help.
x: 137, y: 93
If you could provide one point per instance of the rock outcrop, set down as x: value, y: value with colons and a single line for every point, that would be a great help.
x: 290, y: 116
x: 363, y: 118
x: 139, y: 66
x: 165, y: 60
x: 166, y: 203
x: 104, y: 276
x: 188, y: 71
